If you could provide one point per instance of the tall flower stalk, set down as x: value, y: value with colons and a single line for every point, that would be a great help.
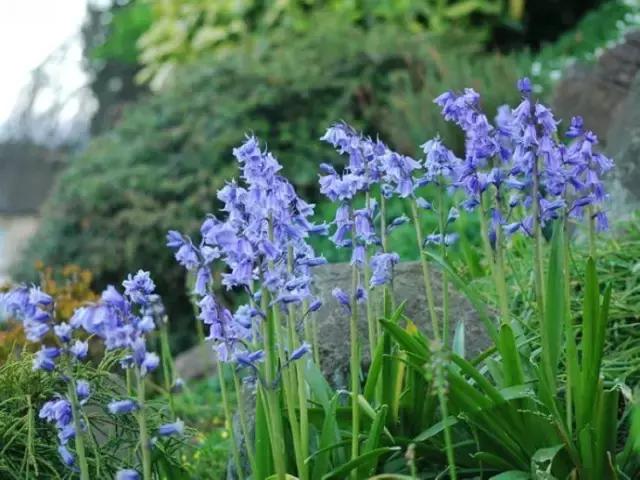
x: 262, y: 247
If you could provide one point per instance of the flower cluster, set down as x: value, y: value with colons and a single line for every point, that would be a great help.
x: 121, y: 320
x: 261, y: 241
x: 533, y: 177
x: 124, y: 320
x: 36, y: 310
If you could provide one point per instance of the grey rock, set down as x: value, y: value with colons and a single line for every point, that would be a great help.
x: 333, y: 330
x: 596, y: 92
x: 624, y: 148
x: 197, y: 362
x: 333, y: 322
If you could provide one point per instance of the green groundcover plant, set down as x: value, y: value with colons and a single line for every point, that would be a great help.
x: 537, y: 404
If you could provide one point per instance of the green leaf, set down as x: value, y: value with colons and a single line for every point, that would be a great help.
x: 553, y: 320
x: 405, y: 339
x: 458, y: 340
x: 263, y: 455
x: 373, y: 441
x: 374, y: 370
x: 511, y: 365
x: 542, y: 461
x: 474, y: 297
x: 319, y: 387
x: 512, y: 475
x: 329, y: 436
x: 342, y: 471
x: 435, y: 429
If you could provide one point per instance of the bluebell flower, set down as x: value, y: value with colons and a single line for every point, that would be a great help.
x: 139, y: 287
x: 342, y: 298
x: 79, y: 349
x: 315, y: 305
x: 300, y: 352
x: 63, y: 331
x: 424, y: 204
x: 168, y: 429
x: 438, y: 239
x: 83, y: 390
x: 57, y: 411
x: 67, y: 458
x: 382, y: 268
x: 397, y: 222
x: 127, y: 474
x: 249, y: 359
x: 66, y: 433
x: 120, y: 407
x: 44, y: 359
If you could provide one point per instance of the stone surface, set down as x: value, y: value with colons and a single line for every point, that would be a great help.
x: 596, y: 92
x: 333, y: 331
x: 333, y: 323
x: 197, y: 362
x: 624, y: 148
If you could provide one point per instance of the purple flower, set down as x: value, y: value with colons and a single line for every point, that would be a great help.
x: 424, y: 204
x: 38, y: 297
x: 438, y: 239
x: 83, y: 390
x: 120, y: 407
x: 127, y: 474
x: 524, y: 85
x: 79, y: 349
x: 342, y: 298
x: 150, y: 362
x: 168, y: 429
x: 382, y: 268
x: 67, y: 457
x: 45, y: 357
x: 139, y: 287
x: 315, y: 305
x: 249, y: 359
x: 300, y: 352
x: 63, y: 331
x: 57, y: 411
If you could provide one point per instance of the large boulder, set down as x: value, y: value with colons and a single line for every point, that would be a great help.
x: 597, y: 91
x: 408, y: 287
x: 333, y: 322
x: 624, y: 147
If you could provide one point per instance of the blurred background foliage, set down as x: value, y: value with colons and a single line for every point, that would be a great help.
x: 283, y: 70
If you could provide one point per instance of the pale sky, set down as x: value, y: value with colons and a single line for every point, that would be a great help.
x: 29, y: 31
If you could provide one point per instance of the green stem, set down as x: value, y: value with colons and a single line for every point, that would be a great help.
x: 371, y: 324
x: 316, y: 345
x: 243, y: 420
x: 569, y: 334
x: 304, y: 418
x: 226, y: 405
x: 167, y: 364
x: 77, y: 425
x: 496, y: 264
x: 592, y: 233
x: 537, y: 238
x: 145, y: 446
x: 273, y: 403
x: 290, y: 381
x: 442, y: 399
x: 354, y: 363
x: 445, y: 276
x: 425, y: 271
